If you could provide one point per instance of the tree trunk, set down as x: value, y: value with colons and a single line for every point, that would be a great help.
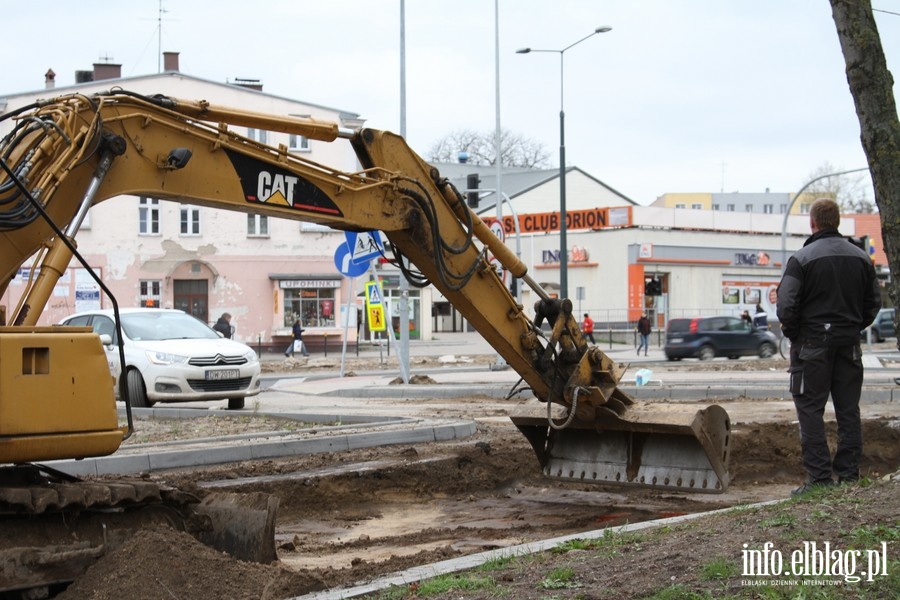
x: 871, y: 85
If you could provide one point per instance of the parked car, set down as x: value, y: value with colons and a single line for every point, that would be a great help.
x: 170, y: 356
x: 708, y: 337
x: 882, y: 327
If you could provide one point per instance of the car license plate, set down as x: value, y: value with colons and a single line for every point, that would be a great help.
x: 220, y: 374
x: 676, y: 340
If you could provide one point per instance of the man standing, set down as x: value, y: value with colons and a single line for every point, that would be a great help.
x: 644, y: 328
x: 587, y: 328
x: 827, y: 295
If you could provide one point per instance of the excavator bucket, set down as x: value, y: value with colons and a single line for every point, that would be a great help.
x: 661, y: 446
x: 243, y: 525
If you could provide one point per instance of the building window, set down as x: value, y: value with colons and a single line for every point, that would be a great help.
x: 804, y: 208
x: 783, y: 208
x: 680, y: 205
x: 260, y: 135
x: 730, y: 208
x: 148, y: 216
x: 298, y: 143
x: 257, y: 226
x: 768, y: 209
x: 150, y: 292
x: 748, y: 207
x: 190, y: 220
x: 313, y: 306
x: 715, y: 207
x: 696, y: 206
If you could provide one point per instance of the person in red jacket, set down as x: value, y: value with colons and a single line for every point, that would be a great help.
x: 587, y: 328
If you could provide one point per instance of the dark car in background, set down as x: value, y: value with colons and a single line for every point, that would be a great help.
x: 883, y: 326
x: 708, y: 337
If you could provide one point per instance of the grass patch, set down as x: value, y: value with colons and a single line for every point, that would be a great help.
x: 720, y: 568
x: 560, y: 578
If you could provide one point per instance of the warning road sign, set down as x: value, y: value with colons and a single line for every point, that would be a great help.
x: 373, y: 293
x: 364, y: 245
x: 374, y: 307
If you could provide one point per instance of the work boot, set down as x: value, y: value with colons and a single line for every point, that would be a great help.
x: 813, y: 485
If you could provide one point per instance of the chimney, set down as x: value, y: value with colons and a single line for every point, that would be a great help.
x: 253, y: 84
x: 49, y: 79
x: 107, y: 71
x: 170, y: 61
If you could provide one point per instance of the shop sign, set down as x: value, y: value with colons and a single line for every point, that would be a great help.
x: 292, y: 284
x: 760, y: 259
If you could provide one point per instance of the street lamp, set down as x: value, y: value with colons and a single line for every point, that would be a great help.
x: 564, y: 250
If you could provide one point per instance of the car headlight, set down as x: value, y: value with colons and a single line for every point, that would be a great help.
x: 251, y: 356
x: 166, y: 358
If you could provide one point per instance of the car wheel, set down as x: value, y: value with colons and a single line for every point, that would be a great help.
x: 136, y: 390
x: 671, y: 358
x: 767, y: 350
x: 876, y: 337
x: 235, y: 403
x: 706, y: 353
x: 733, y: 357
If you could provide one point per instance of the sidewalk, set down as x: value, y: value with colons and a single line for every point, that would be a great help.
x: 468, y: 343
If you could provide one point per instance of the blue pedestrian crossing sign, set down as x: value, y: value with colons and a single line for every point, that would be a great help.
x: 374, y: 294
x: 374, y: 307
x: 364, y: 245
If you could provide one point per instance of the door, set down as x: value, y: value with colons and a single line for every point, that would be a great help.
x: 192, y: 296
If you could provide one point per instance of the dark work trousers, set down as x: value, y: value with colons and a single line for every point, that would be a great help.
x: 817, y: 371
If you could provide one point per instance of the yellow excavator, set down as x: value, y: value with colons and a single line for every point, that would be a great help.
x: 66, y: 154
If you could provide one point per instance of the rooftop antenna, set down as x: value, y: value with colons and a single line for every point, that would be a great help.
x: 159, y: 37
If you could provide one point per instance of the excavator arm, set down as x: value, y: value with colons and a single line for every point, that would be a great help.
x: 71, y: 152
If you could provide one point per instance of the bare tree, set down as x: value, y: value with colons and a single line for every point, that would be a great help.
x: 515, y: 150
x: 871, y: 85
x: 849, y: 190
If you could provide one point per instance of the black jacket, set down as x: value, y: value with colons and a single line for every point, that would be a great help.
x: 223, y: 327
x: 828, y: 293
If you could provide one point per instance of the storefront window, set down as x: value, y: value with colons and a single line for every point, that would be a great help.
x: 392, y: 300
x: 314, y: 307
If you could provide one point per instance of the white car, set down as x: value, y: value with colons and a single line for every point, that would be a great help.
x: 171, y: 356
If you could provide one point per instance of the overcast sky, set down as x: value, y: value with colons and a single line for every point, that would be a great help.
x: 681, y: 95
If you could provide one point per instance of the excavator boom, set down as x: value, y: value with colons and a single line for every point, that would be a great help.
x: 66, y: 154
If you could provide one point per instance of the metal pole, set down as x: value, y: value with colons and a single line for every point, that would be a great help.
x: 787, y: 212
x: 501, y: 362
x: 403, y: 304
x: 563, y: 242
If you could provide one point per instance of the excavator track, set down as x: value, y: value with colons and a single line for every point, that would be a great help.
x: 55, y: 526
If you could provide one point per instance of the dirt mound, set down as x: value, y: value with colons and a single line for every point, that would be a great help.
x: 165, y: 563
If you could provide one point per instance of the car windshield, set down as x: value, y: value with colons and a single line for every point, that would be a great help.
x: 151, y: 326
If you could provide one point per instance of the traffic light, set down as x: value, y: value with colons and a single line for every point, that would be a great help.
x: 861, y: 242
x: 472, y: 182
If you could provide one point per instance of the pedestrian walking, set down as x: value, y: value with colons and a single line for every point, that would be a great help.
x: 297, y: 344
x: 644, y: 328
x: 223, y: 325
x: 827, y: 295
x: 587, y: 328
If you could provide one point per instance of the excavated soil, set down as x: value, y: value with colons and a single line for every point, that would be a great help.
x: 350, y: 517
x: 347, y: 518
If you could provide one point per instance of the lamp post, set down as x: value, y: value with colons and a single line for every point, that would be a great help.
x: 563, y: 249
